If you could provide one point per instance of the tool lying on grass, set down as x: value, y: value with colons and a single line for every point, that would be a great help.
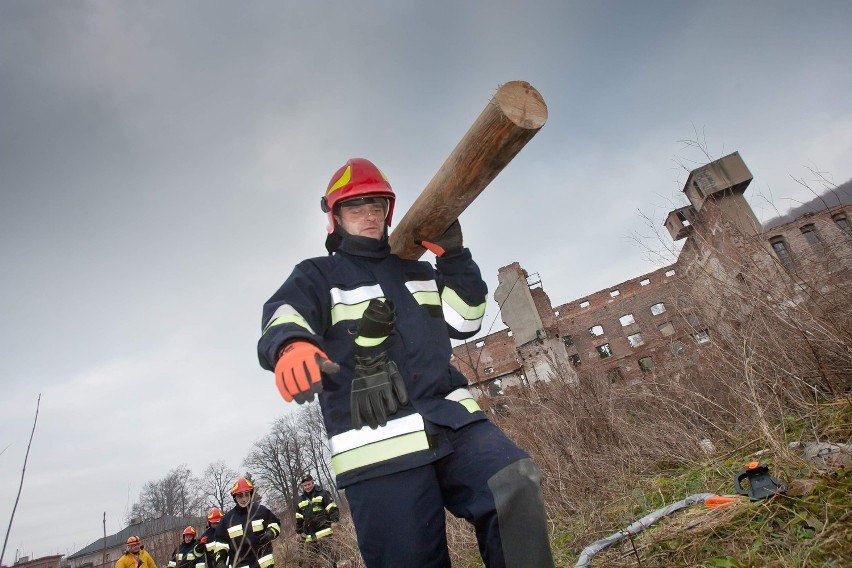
x: 760, y: 486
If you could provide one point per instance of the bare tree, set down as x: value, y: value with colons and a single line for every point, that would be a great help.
x: 296, y: 445
x: 178, y: 493
x: 216, y: 482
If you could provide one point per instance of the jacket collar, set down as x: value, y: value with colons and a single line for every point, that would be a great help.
x: 364, y: 246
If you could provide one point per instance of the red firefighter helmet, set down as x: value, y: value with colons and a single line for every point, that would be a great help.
x: 214, y: 516
x: 241, y: 486
x: 189, y: 531
x: 357, y: 178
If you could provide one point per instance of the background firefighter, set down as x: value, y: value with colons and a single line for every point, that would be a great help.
x: 317, y: 516
x: 244, y: 535
x: 135, y: 556
x: 207, y: 543
x: 187, y: 555
x: 370, y: 333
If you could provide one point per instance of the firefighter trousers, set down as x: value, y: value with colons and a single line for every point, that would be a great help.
x: 486, y: 479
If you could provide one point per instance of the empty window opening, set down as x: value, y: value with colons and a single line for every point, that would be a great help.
x: 811, y: 236
x: 626, y: 320
x: 614, y: 293
x: 495, y: 388
x: 596, y: 330
x: 480, y: 344
x: 635, y: 340
x: 684, y: 300
x: 575, y: 360
x: 568, y: 340
x: 615, y: 375
x: 677, y: 348
x: 670, y: 273
x: 684, y: 221
x: 702, y: 337
x: 842, y: 222
x: 779, y: 245
x: 646, y: 363
x: 645, y: 282
x: 693, y: 320
x: 488, y: 370
x: 584, y: 304
x: 604, y: 350
x: 657, y: 309
x: 667, y: 329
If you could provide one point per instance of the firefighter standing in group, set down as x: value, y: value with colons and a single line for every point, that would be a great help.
x: 207, y: 544
x: 135, y: 556
x: 186, y: 555
x: 316, y: 518
x: 370, y: 332
x: 244, y: 535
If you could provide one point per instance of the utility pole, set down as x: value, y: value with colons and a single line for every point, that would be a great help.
x: 103, y: 550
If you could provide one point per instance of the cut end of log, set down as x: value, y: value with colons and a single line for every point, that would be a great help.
x: 521, y: 103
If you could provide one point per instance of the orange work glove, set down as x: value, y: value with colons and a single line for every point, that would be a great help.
x: 297, y: 373
x: 449, y: 241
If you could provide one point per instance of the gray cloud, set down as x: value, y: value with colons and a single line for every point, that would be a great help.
x: 161, y: 166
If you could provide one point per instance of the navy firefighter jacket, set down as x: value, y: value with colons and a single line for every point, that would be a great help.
x: 322, y: 302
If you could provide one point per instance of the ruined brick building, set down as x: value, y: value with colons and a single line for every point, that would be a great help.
x: 661, y: 321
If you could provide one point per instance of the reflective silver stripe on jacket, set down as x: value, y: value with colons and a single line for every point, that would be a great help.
x: 357, y: 448
x: 350, y: 304
x: 286, y: 313
x: 459, y: 314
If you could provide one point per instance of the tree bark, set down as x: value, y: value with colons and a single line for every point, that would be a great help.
x: 512, y: 117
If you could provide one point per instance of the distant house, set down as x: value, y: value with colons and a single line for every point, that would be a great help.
x: 54, y: 561
x: 160, y: 537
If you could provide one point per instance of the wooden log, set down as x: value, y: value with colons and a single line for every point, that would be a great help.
x: 512, y: 117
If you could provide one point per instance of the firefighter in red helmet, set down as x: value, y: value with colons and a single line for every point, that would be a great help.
x: 207, y: 544
x: 369, y: 333
x: 186, y: 556
x: 244, y: 535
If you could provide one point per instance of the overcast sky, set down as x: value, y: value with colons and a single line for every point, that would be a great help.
x: 161, y: 165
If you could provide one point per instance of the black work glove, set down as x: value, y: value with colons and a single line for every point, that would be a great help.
x: 377, y: 391
x: 449, y: 242
x: 378, y: 320
x: 267, y: 537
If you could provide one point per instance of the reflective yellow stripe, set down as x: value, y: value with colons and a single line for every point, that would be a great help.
x: 428, y: 298
x: 461, y: 307
x: 257, y: 525
x: 235, y: 531
x: 265, y: 561
x: 465, y: 398
x: 379, y: 452
x: 300, y: 516
x: 369, y: 341
x: 424, y: 291
x: 276, y: 528
x: 342, y: 312
x: 285, y: 313
x: 331, y: 506
x: 460, y: 315
x: 320, y: 534
x: 343, y: 180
